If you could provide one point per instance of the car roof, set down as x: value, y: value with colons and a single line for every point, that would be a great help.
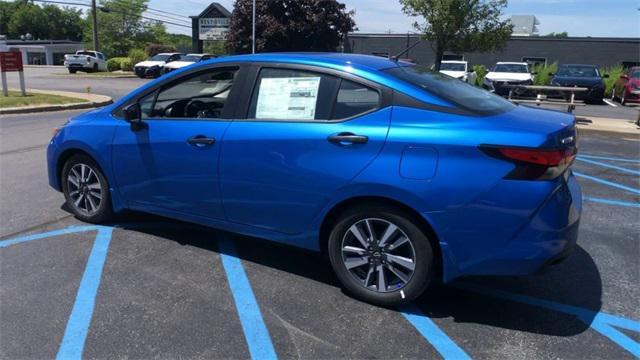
x: 173, y: 53
x: 511, y: 63
x: 360, y: 61
x: 453, y: 62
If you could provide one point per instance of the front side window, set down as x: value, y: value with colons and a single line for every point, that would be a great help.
x: 203, y: 95
x: 452, y: 90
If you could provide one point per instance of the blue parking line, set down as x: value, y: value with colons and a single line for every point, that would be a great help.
x: 607, y: 182
x: 601, y: 322
x: 612, y: 202
x: 610, y: 158
x: 255, y: 330
x: 630, y: 171
x: 68, y: 230
x: 433, y: 334
x: 78, y: 324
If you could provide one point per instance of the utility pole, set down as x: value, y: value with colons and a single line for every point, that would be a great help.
x: 253, y: 30
x: 94, y: 15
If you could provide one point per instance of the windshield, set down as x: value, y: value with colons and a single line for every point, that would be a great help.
x: 635, y: 74
x: 160, y: 57
x: 453, y: 90
x: 452, y: 67
x: 193, y: 58
x: 578, y: 71
x: 510, y: 68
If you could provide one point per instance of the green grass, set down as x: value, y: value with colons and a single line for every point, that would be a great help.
x: 16, y: 99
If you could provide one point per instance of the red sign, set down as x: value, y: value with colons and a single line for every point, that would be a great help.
x: 10, y: 61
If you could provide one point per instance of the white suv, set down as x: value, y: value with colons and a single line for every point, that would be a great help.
x: 503, y: 74
x: 458, y: 70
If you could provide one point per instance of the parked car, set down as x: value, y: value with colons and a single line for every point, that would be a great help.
x: 578, y: 75
x: 458, y: 70
x: 400, y: 175
x: 504, y: 74
x: 152, y: 67
x: 85, y: 60
x: 627, y: 87
x: 186, y: 60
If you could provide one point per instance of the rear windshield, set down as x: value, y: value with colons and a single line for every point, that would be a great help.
x: 160, y: 57
x: 578, y: 71
x: 635, y: 74
x: 457, y: 92
x: 87, y: 53
x: 452, y: 67
x: 194, y: 58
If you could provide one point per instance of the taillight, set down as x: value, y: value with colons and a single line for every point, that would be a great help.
x: 533, y: 163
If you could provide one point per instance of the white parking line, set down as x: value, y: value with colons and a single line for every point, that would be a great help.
x: 609, y: 102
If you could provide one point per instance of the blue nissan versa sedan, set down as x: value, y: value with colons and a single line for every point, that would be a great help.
x: 400, y: 175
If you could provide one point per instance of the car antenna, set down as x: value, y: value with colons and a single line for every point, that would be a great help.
x: 397, y: 56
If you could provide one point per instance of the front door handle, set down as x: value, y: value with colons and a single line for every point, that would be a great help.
x: 348, y: 138
x: 201, y: 141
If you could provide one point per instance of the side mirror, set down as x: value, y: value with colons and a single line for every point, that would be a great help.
x: 552, y: 74
x: 133, y: 115
x: 624, y: 76
x: 605, y: 76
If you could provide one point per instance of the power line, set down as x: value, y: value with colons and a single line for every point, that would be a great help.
x: 171, y: 16
x: 116, y: 11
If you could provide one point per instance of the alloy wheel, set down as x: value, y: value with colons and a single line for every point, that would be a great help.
x: 378, y: 254
x: 85, y: 190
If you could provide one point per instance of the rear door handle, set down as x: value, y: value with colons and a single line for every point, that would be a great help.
x: 348, y: 138
x: 201, y: 141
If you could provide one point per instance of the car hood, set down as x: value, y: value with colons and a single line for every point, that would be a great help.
x: 455, y: 74
x: 178, y: 64
x: 508, y: 76
x: 577, y: 81
x: 149, y: 63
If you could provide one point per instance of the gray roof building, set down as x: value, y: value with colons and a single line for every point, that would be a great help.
x: 524, y: 25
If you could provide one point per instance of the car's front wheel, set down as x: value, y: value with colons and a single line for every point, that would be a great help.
x: 86, y: 189
x: 381, y: 255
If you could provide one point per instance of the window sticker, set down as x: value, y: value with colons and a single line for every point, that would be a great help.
x: 292, y: 98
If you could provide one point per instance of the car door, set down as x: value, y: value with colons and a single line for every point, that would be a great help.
x: 306, y: 135
x: 171, y: 162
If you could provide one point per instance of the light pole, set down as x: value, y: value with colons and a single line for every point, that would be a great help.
x: 253, y: 29
x: 94, y: 14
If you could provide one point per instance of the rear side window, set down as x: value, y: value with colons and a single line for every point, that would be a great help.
x: 457, y: 92
x: 354, y: 99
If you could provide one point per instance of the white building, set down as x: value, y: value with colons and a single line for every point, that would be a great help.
x: 44, y: 52
x: 524, y: 25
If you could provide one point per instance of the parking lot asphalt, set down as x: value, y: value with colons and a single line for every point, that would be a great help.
x: 150, y: 287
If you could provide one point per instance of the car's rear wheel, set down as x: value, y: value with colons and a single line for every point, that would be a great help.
x: 95, y: 68
x: 86, y: 189
x: 381, y: 255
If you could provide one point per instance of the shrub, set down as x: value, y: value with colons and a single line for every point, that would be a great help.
x: 154, y: 49
x: 614, y: 73
x: 137, y: 55
x: 113, y: 64
x: 542, y: 71
x: 481, y: 71
x: 126, y: 64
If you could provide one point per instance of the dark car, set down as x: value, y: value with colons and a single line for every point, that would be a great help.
x: 578, y: 75
x: 627, y: 87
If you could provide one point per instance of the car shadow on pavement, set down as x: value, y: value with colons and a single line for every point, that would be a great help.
x: 575, y: 282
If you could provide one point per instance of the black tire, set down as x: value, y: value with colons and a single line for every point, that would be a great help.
x: 103, y: 209
x: 95, y: 68
x: 396, y: 294
x: 72, y: 71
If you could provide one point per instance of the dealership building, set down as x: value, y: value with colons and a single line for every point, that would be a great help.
x: 43, y: 52
x: 532, y: 49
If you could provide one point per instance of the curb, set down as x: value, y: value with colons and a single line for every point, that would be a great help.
x: 619, y: 126
x: 80, y: 76
x: 93, y: 102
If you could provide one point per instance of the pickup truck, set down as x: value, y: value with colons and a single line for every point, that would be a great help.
x: 85, y: 60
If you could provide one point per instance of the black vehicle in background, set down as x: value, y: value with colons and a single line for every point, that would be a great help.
x: 578, y: 75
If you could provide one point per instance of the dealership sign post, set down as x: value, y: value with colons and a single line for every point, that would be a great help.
x: 11, y: 61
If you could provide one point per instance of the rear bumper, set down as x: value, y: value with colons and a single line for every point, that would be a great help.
x: 546, y: 239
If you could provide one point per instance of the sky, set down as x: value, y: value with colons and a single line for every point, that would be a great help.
x: 596, y: 18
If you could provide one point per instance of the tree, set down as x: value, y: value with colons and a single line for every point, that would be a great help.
x: 563, y: 34
x: 46, y: 22
x: 460, y: 25
x: 120, y: 27
x: 289, y: 25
